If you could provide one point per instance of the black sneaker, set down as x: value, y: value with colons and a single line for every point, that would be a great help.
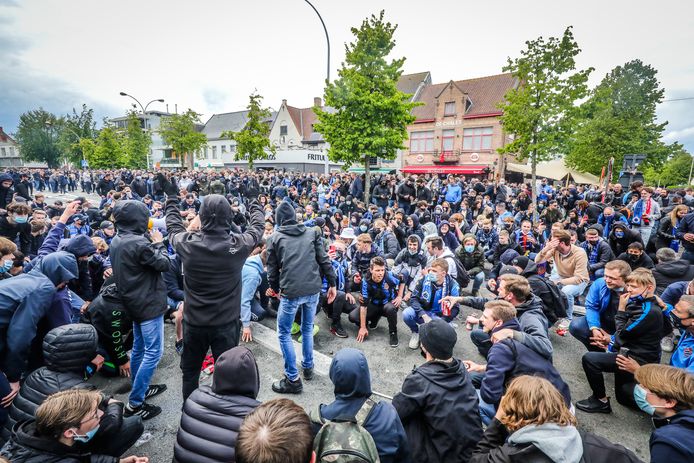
x: 308, y: 374
x: 373, y: 324
x: 338, y: 331
x: 154, y: 389
x: 394, y: 339
x: 594, y: 405
x: 284, y: 386
x: 144, y: 411
x: 179, y: 346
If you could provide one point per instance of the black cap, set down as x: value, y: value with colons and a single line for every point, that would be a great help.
x: 520, y: 261
x: 106, y: 224
x: 508, y: 269
x: 438, y: 338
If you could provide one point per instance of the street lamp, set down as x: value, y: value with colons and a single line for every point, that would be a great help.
x: 144, y: 112
x: 327, y: 78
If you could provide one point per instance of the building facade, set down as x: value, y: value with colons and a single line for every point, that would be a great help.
x: 457, y: 129
x: 9, y: 151
x: 151, y: 121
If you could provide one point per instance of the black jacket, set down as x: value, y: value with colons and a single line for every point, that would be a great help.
x: 670, y: 272
x: 66, y: 351
x: 138, y: 263
x: 644, y: 261
x: 640, y: 328
x: 686, y: 226
x: 23, y: 189
x: 212, y: 259
x: 107, y: 314
x: 296, y: 258
x: 104, y: 186
x: 620, y: 245
x: 174, y: 280
x: 438, y: 408
x: 12, y: 231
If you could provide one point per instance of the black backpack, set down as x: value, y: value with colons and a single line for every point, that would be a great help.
x: 560, y: 303
x: 462, y: 277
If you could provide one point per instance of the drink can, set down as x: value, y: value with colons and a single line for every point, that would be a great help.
x: 446, y: 308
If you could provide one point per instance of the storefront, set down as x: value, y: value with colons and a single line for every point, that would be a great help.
x: 298, y: 160
x: 481, y: 171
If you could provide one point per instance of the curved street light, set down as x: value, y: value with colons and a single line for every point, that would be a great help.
x: 327, y: 39
x: 144, y: 111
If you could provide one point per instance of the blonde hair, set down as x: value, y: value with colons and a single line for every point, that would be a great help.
x: 641, y: 277
x: 532, y: 400
x: 440, y: 263
x: 6, y: 246
x: 668, y: 383
x: 673, y: 213
x: 364, y: 238
x: 64, y: 410
x: 99, y: 244
x: 501, y: 310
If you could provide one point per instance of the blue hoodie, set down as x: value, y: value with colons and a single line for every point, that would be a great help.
x: 454, y: 193
x: 349, y: 372
x: 251, y: 277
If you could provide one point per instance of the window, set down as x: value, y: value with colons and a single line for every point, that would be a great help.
x: 232, y: 148
x: 224, y: 149
x: 449, y: 109
x: 422, y: 142
x: 283, y: 130
x: 447, y: 140
x: 2, y: 151
x: 479, y: 138
x: 214, y: 152
x: 11, y: 150
x: 206, y: 153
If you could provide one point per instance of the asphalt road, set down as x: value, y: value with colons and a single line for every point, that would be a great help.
x: 388, y: 369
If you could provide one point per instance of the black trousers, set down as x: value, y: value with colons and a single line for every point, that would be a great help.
x: 118, y: 442
x: 196, y: 342
x: 339, y: 306
x: 375, y: 312
x: 597, y: 363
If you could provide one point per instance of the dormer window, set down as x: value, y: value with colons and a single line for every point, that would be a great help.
x: 449, y: 108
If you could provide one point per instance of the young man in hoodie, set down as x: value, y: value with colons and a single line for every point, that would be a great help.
x: 296, y: 262
x: 437, y: 404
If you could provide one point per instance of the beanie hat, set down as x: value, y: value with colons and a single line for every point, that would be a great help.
x: 438, y: 338
x: 508, y: 255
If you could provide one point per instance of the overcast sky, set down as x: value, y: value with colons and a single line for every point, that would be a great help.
x: 209, y: 55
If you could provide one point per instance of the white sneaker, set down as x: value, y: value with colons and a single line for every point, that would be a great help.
x: 414, y: 341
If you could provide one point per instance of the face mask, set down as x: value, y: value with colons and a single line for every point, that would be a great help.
x: 363, y: 228
x: 676, y: 321
x: 640, y: 398
x: 412, y: 252
x: 6, y: 266
x: 469, y: 248
x: 88, y: 436
x: 619, y: 234
x: 633, y: 257
x: 340, y: 255
x: 21, y: 218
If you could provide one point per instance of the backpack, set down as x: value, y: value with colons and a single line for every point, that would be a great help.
x: 461, y: 275
x: 344, y: 439
x: 560, y: 303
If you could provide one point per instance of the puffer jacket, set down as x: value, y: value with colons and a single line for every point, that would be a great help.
x: 212, y: 416
x: 66, y: 351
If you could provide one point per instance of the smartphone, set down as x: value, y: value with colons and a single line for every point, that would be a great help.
x: 331, y: 249
x: 624, y: 351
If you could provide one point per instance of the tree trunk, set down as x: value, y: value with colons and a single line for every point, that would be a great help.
x: 367, y: 181
x: 189, y: 161
x: 533, y: 167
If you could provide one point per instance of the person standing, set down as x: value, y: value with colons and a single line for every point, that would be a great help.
x: 138, y: 259
x: 212, y: 260
x: 296, y: 262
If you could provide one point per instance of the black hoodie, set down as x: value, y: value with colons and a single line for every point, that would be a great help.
x: 212, y: 416
x: 212, y: 259
x: 671, y: 272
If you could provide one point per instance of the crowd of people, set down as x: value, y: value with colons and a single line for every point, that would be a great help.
x: 87, y: 286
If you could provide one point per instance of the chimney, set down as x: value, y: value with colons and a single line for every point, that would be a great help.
x: 317, y: 102
x: 284, y: 102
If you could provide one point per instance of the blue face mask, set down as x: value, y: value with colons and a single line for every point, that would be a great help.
x: 640, y: 398
x: 363, y: 228
x: 6, y: 266
x: 619, y: 234
x: 88, y: 436
x: 469, y: 248
x: 21, y: 218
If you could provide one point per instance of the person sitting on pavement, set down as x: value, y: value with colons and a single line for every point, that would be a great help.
x: 427, y: 300
x: 381, y: 296
x: 670, y: 269
x: 66, y: 428
x: 385, y: 240
x: 251, y: 282
x: 534, y: 424
x: 598, y: 252
x: 508, y: 358
x: 471, y: 255
x: 638, y: 330
x: 621, y: 237
x: 636, y: 257
x: 361, y: 259
x: 602, y: 302
x: 437, y: 403
x: 503, y: 245
x: 344, y: 302
x: 667, y: 394
x: 212, y: 415
x: 410, y: 262
x: 349, y: 373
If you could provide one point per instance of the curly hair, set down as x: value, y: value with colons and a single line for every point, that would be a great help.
x: 531, y: 400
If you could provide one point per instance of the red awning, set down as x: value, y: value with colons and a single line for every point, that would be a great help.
x: 459, y: 170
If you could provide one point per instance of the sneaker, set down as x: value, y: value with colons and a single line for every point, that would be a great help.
x: 285, y: 386
x: 414, y: 341
x: 373, y: 324
x: 667, y: 344
x: 308, y: 374
x: 338, y: 331
x: 594, y: 405
x: 179, y: 346
x: 394, y: 339
x: 316, y: 329
x: 296, y: 328
x: 154, y: 390
x: 144, y: 411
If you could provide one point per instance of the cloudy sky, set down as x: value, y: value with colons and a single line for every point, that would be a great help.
x: 209, y: 55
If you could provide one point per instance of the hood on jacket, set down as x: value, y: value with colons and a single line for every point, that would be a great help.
x: 216, y: 215
x: 131, y: 216
x: 415, y: 220
x: 285, y: 214
x: 430, y: 229
x: 419, y: 241
x: 255, y: 262
x: 5, y: 177
x: 70, y: 347
x: 674, y: 269
x: 562, y: 444
x: 236, y: 372
x: 622, y: 226
x: 447, y: 375
x: 530, y: 269
x: 349, y: 372
x: 512, y: 324
x: 78, y: 246
x: 598, y: 227
x: 445, y: 222
x: 59, y: 267
x: 534, y: 304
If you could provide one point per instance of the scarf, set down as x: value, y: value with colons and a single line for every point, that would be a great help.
x: 639, y: 210
x: 592, y: 251
x: 429, y: 291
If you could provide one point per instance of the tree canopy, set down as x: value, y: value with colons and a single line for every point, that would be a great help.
x: 178, y: 131
x: 75, y: 127
x: 38, y: 134
x: 136, y: 143
x: 252, y: 142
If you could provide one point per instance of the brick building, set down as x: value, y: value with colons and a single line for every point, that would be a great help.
x: 457, y: 129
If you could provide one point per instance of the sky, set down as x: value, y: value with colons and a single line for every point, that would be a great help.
x: 209, y: 55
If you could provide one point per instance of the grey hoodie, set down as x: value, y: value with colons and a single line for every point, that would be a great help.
x: 562, y: 444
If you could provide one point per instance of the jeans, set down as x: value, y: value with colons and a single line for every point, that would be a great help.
x: 599, y: 273
x: 285, y: 317
x: 148, y: 347
x: 118, y: 441
x: 571, y: 292
x: 595, y: 363
x: 482, y: 341
x: 645, y: 234
x: 409, y: 316
x: 477, y: 282
x: 487, y: 411
x: 197, y: 340
x: 580, y: 330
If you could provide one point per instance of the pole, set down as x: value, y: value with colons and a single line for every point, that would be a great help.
x: 691, y: 166
x: 144, y: 112
x: 327, y: 73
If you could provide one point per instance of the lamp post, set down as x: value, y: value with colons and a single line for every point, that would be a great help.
x: 144, y: 112
x: 327, y: 74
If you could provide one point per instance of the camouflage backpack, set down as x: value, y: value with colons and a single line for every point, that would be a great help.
x: 344, y: 439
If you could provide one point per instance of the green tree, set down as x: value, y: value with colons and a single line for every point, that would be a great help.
x: 540, y: 112
x: 371, y: 115
x: 252, y: 141
x: 38, y: 135
x: 137, y: 142
x: 675, y: 171
x: 107, y: 151
x: 178, y: 131
x: 619, y: 118
x: 75, y: 127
